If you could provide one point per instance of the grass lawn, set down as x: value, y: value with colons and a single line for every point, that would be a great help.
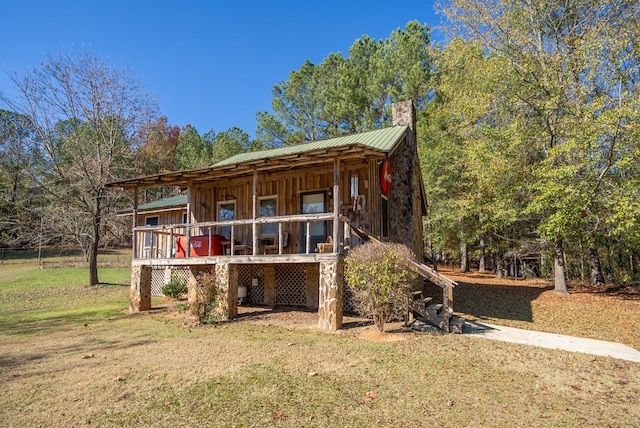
x: 70, y: 355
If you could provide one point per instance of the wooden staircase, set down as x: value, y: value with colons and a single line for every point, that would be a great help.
x: 440, y: 314
x: 420, y: 308
x: 435, y: 314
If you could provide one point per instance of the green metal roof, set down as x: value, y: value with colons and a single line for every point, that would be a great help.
x: 173, y: 201
x: 382, y: 140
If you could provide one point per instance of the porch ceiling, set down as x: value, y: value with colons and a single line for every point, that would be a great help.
x: 244, y: 167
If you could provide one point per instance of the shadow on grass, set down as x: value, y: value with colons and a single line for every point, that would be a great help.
x: 493, y: 301
x: 624, y: 291
x: 78, y: 354
x: 252, y: 311
x: 294, y: 315
x: 30, y: 323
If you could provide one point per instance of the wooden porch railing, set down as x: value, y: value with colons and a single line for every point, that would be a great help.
x: 161, y: 241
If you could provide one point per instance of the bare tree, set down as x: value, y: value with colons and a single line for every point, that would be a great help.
x: 86, y: 116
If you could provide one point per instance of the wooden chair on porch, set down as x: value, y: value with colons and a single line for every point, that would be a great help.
x: 246, y: 246
x: 274, y: 248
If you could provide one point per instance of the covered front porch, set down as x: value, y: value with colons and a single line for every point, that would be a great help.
x: 257, y: 255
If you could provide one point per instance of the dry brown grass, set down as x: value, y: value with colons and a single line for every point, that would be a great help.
x: 606, y: 313
x: 92, y: 366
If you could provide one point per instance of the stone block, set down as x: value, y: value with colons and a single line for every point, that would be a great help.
x: 330, y: 293
x: 140, y: 292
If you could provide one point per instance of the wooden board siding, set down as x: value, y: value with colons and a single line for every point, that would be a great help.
x: 287, y: 187
x: 161, y: 244
x: 164, y: 217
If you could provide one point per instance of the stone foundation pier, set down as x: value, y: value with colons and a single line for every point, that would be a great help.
x: 331, y: 286
x: 140, y: 293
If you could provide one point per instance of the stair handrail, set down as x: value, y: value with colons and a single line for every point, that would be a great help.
x: 423, y: 270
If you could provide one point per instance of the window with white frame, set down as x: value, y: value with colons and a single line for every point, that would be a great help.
x: 226, y: 212
x: 150, y: 239
x: 268, y: 207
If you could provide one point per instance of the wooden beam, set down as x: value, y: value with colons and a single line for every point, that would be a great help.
x: 239, y: 259
x: 187, y: 238
x: 355, y: 152
x: 254, y: 212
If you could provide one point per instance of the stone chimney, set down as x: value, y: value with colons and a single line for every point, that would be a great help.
x: 405, y: 219
x: 404, y: 114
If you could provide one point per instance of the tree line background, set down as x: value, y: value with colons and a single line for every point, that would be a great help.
x: 528, y: 135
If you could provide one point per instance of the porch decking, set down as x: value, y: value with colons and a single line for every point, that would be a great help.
x: 318, y: 276
x: 239, y: 259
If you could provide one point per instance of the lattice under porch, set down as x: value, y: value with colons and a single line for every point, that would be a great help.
x: 290, y: 280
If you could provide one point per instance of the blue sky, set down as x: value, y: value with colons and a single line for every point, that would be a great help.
x: 210, y: 64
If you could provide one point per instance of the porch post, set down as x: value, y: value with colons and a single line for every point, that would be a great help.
x: 134, y: 223
x: 254, y: 215
x: 140, y: 293
x: 187, y: 232
x: 336, y: 206
x: 331, y: 286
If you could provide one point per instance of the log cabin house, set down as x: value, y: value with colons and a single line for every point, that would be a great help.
x: 278, y: 222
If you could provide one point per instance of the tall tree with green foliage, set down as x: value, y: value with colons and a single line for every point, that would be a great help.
x: 194, y: 150
x: 298, y: 108
x: 467, y: 151
x: 353, y: 94
x: 85, y: 116
x: 229, y: 143
x: 572, y: 73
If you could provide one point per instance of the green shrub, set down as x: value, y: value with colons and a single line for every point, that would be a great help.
x: 381, y: 278
x: 175, y: 288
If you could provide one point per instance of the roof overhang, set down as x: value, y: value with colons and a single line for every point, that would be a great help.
x: 228, y: 170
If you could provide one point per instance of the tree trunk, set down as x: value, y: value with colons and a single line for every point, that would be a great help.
x: 558, y: 268
x: 93, y: 248
x: 481, y: 265
x: 498, y: 260
x: 597, y: 278
x: 581, y: 262
x: 93, y: 264
x: 464, y: 258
